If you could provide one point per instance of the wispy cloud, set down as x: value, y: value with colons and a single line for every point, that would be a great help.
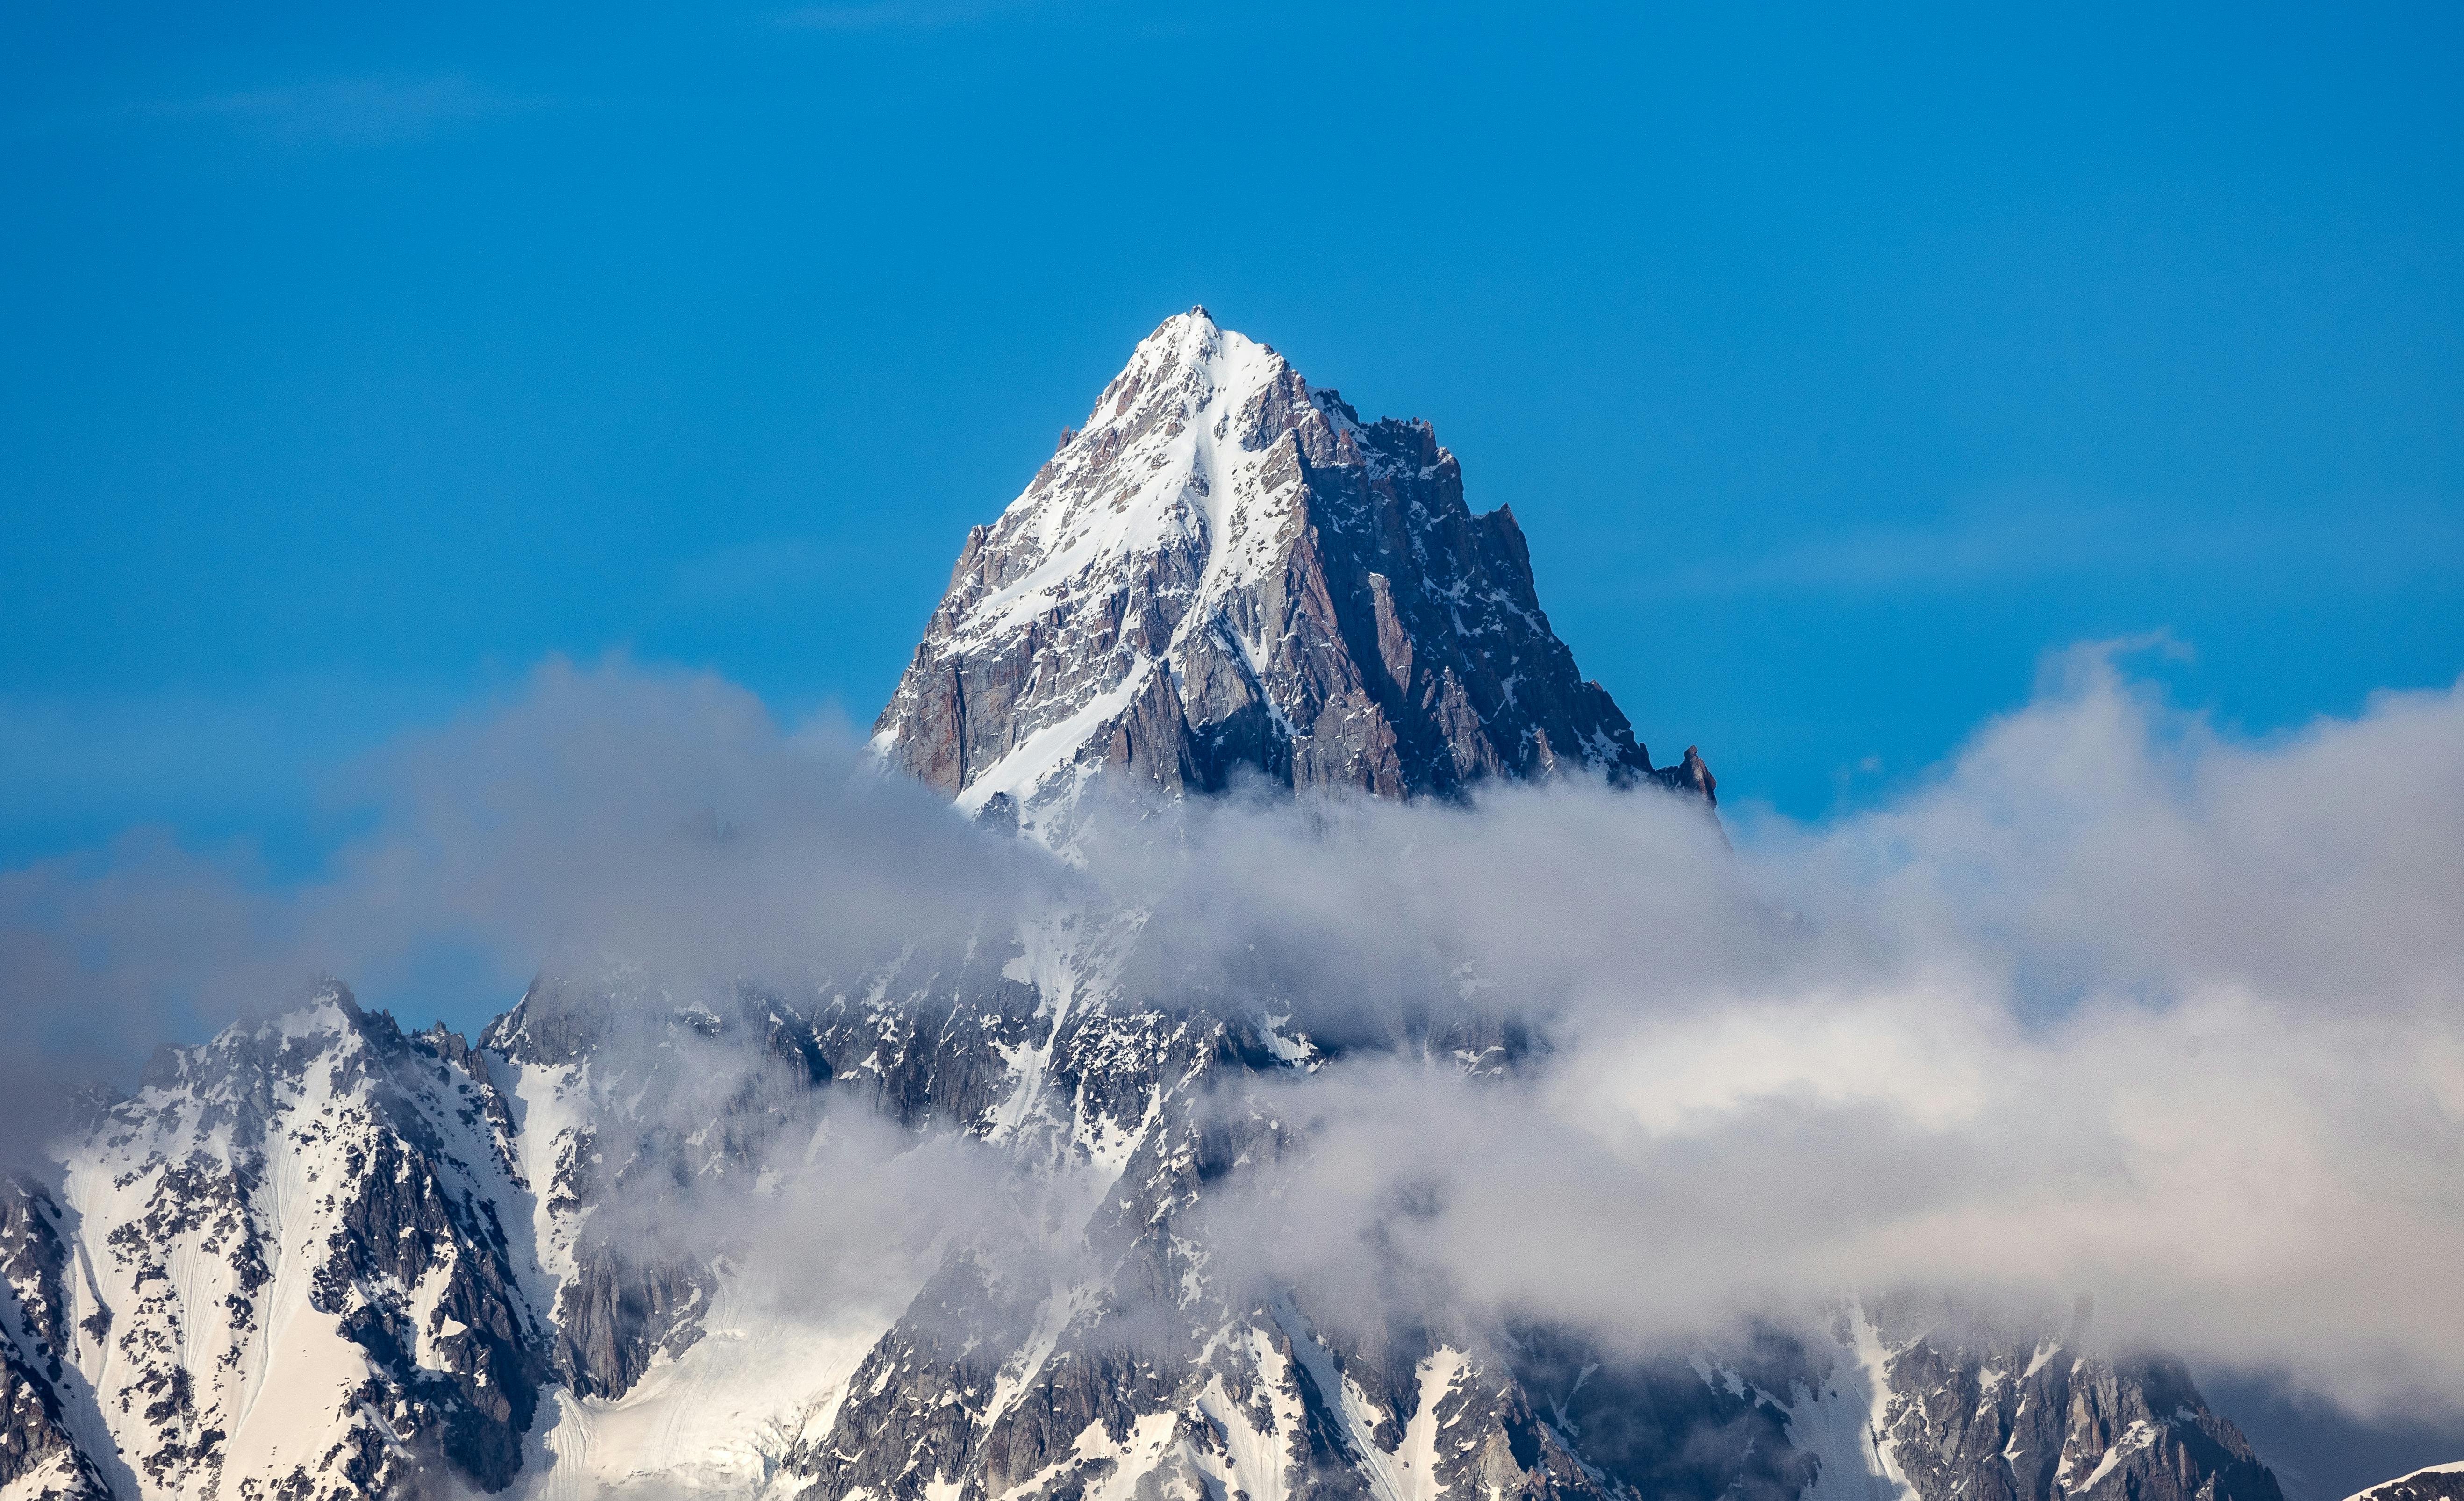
x: 757, y: 574
x: 889, y: 15
x: 2047, y: 536
x: 383, y: 110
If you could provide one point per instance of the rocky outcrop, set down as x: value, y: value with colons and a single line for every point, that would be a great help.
x: 2010, y: 1414
x: 40, y: 1450
x: 1227, y: 573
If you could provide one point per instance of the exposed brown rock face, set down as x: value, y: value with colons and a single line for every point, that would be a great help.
x: 1226, y: 571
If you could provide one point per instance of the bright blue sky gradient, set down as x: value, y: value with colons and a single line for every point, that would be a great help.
x: 1837, y: 367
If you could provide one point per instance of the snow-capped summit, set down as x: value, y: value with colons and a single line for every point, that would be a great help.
x: 1224, y: 567
x: 1159, y: 465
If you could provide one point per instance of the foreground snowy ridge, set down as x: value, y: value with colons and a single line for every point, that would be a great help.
x: 317, y: 1257
x: 2436, y: 1483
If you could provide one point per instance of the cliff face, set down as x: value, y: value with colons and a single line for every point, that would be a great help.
x: 1226, y: 571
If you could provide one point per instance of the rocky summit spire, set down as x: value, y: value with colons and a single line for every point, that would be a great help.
x: 1225, y: 568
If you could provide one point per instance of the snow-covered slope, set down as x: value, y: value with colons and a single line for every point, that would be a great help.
x: 296, y: 1260
x: 2436, y: 1483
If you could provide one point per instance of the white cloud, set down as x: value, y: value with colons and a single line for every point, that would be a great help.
x: 2113, y: 1003
x: 2112, y: 1006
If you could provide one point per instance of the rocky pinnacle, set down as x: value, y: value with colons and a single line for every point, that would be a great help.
x: 1225, y: 572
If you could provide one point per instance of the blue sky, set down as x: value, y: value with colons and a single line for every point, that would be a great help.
x: 1838, y: 367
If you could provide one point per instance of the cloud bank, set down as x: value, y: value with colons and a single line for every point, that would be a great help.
x: 2114, y: 1002
x: 2113, y: 1005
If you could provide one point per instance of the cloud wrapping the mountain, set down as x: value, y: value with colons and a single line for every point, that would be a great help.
x: 602, y: 813
x: 2114, y: 1002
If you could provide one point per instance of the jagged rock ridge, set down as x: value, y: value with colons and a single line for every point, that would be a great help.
x: 318, y: 1257
x: 1227, y: 569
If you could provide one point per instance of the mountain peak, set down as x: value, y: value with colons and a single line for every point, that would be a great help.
x: 1225, y: 568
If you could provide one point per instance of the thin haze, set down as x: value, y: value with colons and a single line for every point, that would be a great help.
x: 1838, y: 360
